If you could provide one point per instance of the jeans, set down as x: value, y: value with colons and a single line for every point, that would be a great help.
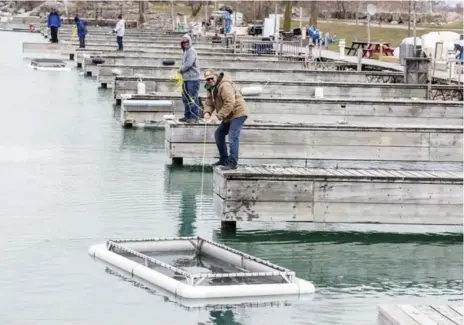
x: 231, y: 128
x: 54, y: 34
x: 190, y: 90
x: 82, y: 42
x: 119, y: 40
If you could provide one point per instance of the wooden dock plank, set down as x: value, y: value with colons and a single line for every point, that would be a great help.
x: 257, y: 171
x: 322, y: 145
x: 341, y: 195
x: 395, y: 316
x: 295, y: 171
x: 403, y: 314
x: 432, y: 313
x: 458, y: 308
x: 318, y: 173
x: 450, y: 314
x: 415, y: 314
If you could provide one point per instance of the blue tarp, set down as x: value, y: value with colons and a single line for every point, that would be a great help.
x: 317, y: 36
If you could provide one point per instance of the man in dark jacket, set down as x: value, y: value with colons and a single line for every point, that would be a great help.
x: 54, y: 22
x: 231, y: 110
x: 81, y: 31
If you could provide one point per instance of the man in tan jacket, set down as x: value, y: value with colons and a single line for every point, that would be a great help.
x: 231, y: 110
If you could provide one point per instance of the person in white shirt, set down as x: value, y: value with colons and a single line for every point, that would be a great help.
x: 119, y: 30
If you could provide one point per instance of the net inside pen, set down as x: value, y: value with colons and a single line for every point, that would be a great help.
x: 192, y: 265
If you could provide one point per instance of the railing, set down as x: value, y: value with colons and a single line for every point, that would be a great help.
x: 453, y: 67
x: 196, y: 279
x: 278, y: 47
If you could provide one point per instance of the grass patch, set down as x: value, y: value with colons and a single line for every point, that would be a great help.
x: 456, y: 26
x: 378, y: 34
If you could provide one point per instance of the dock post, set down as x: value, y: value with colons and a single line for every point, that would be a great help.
x: 228, y: 226
x: 359, y: 53
x: 71, y: 57
x: 88, y: 73
x: 104, y: 85
x: 177, y: 161
x: 79, y: 65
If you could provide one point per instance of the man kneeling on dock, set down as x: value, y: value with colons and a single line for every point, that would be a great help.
x: 230, y: 107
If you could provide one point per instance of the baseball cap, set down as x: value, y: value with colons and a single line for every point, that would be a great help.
x: 210, y: 73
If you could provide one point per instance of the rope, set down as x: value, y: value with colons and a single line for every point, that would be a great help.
x: 177, y: 77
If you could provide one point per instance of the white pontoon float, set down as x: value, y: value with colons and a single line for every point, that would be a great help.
x: 207, y: 304
x: 48, y: 64
x: 250, y: 278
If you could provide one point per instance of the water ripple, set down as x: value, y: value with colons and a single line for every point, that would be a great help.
x: 72, y: 177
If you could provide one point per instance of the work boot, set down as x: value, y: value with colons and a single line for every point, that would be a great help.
x: 229, y: 166
x: 183, y: 120
x: 220, y: 162
x: 192, y: 120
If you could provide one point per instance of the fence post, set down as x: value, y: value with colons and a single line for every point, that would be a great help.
x: 359, y: 53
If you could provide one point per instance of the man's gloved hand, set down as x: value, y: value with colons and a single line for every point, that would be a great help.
x: 213, y: 120
x: 210, y: 119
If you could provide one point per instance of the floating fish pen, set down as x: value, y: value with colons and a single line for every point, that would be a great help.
x: 197, y: 268
x: 48, y: 64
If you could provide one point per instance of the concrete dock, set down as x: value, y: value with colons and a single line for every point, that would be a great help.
x: 247, y: 77
x: 81, y: 54
x: 70, y: 49
x: 325, y: 145
x: 216, y: 47
x: 449, y: 314
x: 311, y: 110
x: 213, y: 47
x: 338, y: 196
x: 205, y: 60
x: 105, y: 76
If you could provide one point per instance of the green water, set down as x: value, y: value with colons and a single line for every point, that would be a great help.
x: 72, y: 177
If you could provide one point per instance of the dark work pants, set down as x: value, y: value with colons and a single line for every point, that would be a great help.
x: 54, y: 34
x: 82, y: 42
x: 233, y: 129
x: 119, y: 40
x: 190, y: 98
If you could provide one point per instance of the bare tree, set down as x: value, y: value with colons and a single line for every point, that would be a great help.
x: 142, y: 6
x: 341, y: 9
x: 458, y: 8
x: 195, y: 6
x: 288, y: 16
x: 29, y: 5
x: 314, y: 14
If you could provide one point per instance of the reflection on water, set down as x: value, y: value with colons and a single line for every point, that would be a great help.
x: 72, y: 177
x: 142, y: 140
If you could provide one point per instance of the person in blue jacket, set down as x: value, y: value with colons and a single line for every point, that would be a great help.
x: 54, y: 22
x: 81, y: 31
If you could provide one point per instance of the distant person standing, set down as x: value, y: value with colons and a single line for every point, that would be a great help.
x: 81, y: 31
x: 190, y: 71
x: 119, y: 30
x: 54, y: 22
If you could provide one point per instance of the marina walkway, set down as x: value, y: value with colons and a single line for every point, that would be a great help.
x: 451, y: 314
x: 331, y: 55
